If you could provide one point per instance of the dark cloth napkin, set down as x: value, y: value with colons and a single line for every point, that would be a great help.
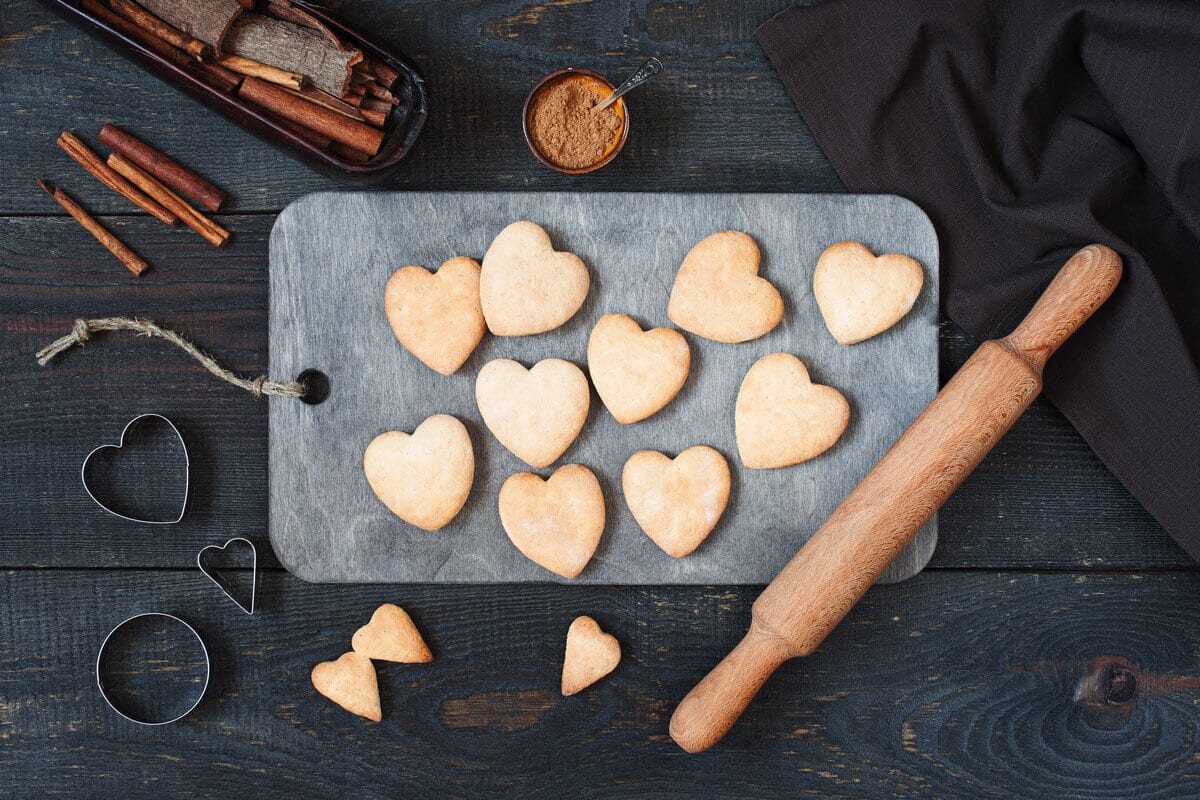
x: 1026, y: 129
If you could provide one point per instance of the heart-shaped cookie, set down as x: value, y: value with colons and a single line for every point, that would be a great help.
x: 556, y: 523
x: 636, y: 372
x: 782, y: 417
x: 351, y: 683
x: 861, y: 295
x: 676, y: 502
x: 718, y: 293
x: 437, y: 315
x: 423, y: 478
x: 526, y: 286
x: 591, y: 654
x: 535, y: 413
x: 391, y: 636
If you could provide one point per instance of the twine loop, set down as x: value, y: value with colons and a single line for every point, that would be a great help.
x: 83, y: 329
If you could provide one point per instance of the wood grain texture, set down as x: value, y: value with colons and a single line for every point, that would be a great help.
x: 480, y: 60
x: 332, y: 255
x: 1041, y: 499
x: 954, y: 685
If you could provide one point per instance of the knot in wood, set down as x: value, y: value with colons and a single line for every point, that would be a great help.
x: 1118, y: 684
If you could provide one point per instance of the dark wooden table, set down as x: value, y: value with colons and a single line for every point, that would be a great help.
x: 961, y: 683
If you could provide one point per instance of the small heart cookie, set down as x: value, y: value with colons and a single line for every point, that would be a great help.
x: 636, y: 372
x: 591, y: 654
x: 437, y: 315
x: 861, y: 295
x: 423, y: 478
x: 556, y: 523
x: 526, y: 286
x: 350, y: 682
x: 718, y: 293
x: 535, y: 413
x: 391, y: 636
x: 782, y: 417
x: 676, y: 502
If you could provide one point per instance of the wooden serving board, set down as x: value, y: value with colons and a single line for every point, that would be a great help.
x: 331, y: 255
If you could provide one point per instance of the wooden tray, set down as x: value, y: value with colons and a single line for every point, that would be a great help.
x: 331, y: 255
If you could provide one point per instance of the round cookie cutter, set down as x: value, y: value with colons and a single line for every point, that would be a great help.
x: 100, y: 671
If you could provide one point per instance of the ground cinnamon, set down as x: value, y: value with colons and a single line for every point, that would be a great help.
x: 565, y: 130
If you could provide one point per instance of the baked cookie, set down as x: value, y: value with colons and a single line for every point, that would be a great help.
x: 676, y: 502
x: 437, y: 315
x: 782, y: 417
x: 351, y: 683
x: 636, y: 372
x: 526, y: 286
x: 423, y: 478
x: 391, y: 636
x: 535, y: 413
x: 861, y: 295
x: 556, y: 523
x: 591, y: 654
x: 718, y: 293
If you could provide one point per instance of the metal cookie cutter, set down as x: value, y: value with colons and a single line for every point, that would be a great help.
x: 187, y: 469
x: 100, y: 670
x: 221, y: 583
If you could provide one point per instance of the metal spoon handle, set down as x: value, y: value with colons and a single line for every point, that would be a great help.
x: 645, y: 72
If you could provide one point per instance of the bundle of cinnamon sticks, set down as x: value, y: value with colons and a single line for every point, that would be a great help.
x: 144, y: 177
x: 281, y: 59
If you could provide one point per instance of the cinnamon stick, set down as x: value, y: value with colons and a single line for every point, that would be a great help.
x: 358, y: 135
x: 144, y: 19
x: 301, y: 50
x: 288, y: 12
x: 275, y: 75
x: 347, y: 153
x: 216, y: 76
x: 214, y: 233
x: 318, y: 140
x: 76, y: 149
x: 163, y: 167
x: 143, y: 37
x: 329, y: 101
x: 207, y: 20
x: 130, y: 259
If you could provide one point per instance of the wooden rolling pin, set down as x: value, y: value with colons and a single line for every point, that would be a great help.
x: 914, y: 478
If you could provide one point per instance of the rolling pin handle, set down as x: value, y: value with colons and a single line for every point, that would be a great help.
x: 711, y: 708
x: 1079, y: 288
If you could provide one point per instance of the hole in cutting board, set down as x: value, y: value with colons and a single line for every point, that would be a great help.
x: 316, y: 386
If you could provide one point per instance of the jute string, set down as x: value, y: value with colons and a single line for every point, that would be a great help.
x: 84, y: 328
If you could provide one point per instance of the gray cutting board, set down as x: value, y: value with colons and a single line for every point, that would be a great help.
x: 331, y: 255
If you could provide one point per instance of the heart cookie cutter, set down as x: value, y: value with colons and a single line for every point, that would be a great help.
x: 187, y: 470
x: 104, y: 688
x: 224, y: 585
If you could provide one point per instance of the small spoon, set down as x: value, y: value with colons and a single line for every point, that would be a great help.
x: 645, y: 72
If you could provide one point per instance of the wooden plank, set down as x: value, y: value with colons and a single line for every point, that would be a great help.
x: 331, y: 256
x: 717, y: 119
x: 1040, y: 500
x: 954, y: 685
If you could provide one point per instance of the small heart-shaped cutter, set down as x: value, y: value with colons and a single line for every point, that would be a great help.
x: 221, y: 583
x: 187, y: 471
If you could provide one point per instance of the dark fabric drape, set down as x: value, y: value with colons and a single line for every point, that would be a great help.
x: 1026, y: 129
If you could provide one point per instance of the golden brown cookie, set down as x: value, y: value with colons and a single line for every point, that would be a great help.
x: 591, y: 654
x: 718, y: 293
x: 351, y: 683
x: 676, y: 502
x: 556, y: 523
x: 391, y: 635
x: 526, y: 286
x: 423, y: 478
x: 535, y: 413
x: 782, y: 417
x: 437, y: 315
x: 861, y: 295
x: 636, y: 372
